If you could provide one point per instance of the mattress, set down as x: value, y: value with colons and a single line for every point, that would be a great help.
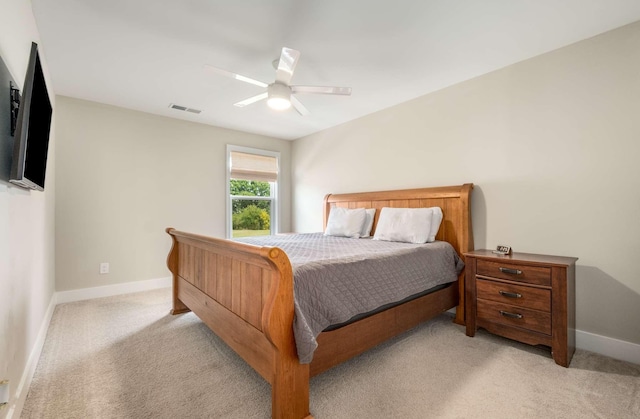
x: 337, y: 279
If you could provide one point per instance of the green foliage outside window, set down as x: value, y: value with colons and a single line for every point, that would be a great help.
x: 250, y: 214
x: 251, y: 218
x: 249, y: 188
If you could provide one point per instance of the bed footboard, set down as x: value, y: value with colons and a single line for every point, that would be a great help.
x: 244, y: 294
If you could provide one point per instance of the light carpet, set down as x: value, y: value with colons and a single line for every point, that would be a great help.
x: 127, y: 357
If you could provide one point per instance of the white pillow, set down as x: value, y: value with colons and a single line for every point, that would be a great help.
x: 345, y: 222
x: 436, y: 220
x: 412, y: 225
x: 368, y: 222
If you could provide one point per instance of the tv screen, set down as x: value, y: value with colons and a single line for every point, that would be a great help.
x: 31, y: 142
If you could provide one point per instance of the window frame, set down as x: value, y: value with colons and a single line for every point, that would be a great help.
x: 274, y: 198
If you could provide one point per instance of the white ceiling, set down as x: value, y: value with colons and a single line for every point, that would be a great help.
x: 146, y: 54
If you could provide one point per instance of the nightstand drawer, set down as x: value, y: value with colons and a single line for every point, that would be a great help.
x: 517, y: 295
x: 514, y: 272
x: 525, y: 318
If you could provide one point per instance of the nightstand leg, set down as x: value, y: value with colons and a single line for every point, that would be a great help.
x: 470, y: 296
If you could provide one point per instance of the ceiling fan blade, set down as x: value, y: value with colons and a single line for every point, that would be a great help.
x: 299, y: 107
x: 288, y: 60
x: 251, y: 100
x: 240, y: 77
x: 345, y: 91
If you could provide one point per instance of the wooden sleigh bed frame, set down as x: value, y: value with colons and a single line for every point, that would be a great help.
x: 244, y: 294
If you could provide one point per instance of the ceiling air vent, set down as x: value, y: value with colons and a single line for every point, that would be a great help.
x: 184, y: 108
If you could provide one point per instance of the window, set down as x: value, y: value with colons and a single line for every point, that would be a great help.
x: 252, y: 184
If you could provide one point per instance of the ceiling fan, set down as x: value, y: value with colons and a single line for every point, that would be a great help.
x: 280, y: 93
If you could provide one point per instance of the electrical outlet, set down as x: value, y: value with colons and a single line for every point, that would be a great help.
x: 104, y: 268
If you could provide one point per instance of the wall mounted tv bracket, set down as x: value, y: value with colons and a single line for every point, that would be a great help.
x: 15, y: 106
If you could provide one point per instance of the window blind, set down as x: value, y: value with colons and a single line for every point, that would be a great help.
x: 247, y: 166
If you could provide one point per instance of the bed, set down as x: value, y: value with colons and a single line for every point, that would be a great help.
x: 244, y: 294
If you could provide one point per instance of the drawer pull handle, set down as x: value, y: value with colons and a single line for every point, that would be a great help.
x: 510, y: 294
x: 511, y: 315
x: 511, y: 271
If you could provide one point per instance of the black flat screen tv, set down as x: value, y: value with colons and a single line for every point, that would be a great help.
x: 31, y: 142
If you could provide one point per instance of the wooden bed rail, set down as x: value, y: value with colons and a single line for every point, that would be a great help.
x: 244, y: 293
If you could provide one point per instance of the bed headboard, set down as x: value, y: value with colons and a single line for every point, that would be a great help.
x: 455, y: 202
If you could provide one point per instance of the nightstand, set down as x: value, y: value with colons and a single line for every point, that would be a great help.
x: 526, y: 297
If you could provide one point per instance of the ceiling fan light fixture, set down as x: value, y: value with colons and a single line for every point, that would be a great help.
x: 279, y: 103
x: 279, y: 97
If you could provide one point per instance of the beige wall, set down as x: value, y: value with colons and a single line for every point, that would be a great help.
x: 552, y: 144
x: 26, y: 224
x: 125, y: 176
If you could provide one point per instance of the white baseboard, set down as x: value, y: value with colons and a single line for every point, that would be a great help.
x: 15, y: 408
x: 613, y: 348
x: 110, y: 290
x: 603, y: 345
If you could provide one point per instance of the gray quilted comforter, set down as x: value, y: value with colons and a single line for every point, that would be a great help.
x: 336, y: 278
